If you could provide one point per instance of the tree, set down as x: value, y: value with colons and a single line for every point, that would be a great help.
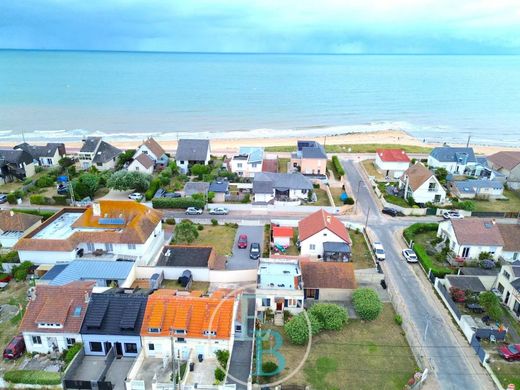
x: 297, y: 328
x: 185, y: 232
x: 199, y: 170
x: 85, y: 185
x: 65, y: 162
x: 489, y: 301
x: 367, y: 304
x: 124, y: 157
x: 124, y: 181
x: 331, y: 316
x: 441, y: 174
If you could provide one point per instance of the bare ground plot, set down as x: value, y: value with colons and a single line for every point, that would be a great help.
x: 371, y: 169
x: 361, y: 255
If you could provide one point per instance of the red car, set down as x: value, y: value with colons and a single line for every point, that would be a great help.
x: 15, y: 348
x: 242, y: 241
x: 510, y: 352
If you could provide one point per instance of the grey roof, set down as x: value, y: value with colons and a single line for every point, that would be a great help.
x: 451, y: 154
x: 54, y: 271
x: 477, y: 271
x: 16, y: 156
x: 516, y: 271
x: 264, y: 181
x: 90, y: 144
x: 254, y: 154
x: 196, y: 187
x: 262, y: 185
x: 516, y: 284
x: 184, y: 256
x: 219, y: 186
x: 192, y: 150
x: 482, y: 161
x: 93, y: 270
x: 471, y: 283
x: 105, y: 153
x: 37, y: 151
x: 336, y: 247
x: 310, y: 149
x: 473, y: 186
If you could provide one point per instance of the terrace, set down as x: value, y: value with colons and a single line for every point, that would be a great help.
x: 279, y: 275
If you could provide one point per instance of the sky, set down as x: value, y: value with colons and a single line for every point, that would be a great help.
x: 285, y: 26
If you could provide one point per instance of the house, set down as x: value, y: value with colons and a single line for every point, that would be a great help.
x: 192, y: 151
x: 508, y: 164
x: 15, y: 164
x: 469, y: 237
x: 460, y: 161
x: 196, y: 187
x: 511, y: 236
x: 201, y: 324
x: 248, y: 162
x: 284, y: 187
x: 97, y: 153
x: 282, y: 235
x: 113, y: 320
x: 323, y: 236
x: 508, y: 285
x: 476, y: 189
x: 327, y: 281
x: 310, y: 158
x: 220, y: 188
x: 279, y: 286
x: 44, y: 155
x: 392, y: 162
x: 103, y: 273
x: 53, y: 317
x: 142, y: 163
x: 421, y: 184
x: 109, y: 230
x: 465, y: 283
x: 14, y: 225
x: 486, y: 276
x: 151, y: 148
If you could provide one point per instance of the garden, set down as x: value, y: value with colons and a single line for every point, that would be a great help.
x: 220, y: 237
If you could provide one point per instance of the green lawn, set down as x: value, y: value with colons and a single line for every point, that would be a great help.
x: 506, y: 372
x: 282, y: 164
x: 371, y: 170
x: 323, y: 199
x: 361, y: 255
x: 330, y: 168
x: 175, y: 285
x: 513, y: 204
x: 366, y: 355
x: 398, y: 201
x: 357, y: 148
x: 336, y: 193
x: 220, y: 237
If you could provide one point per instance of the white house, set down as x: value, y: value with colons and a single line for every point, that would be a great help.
x: 192, y: 151
x: 97, y: 153
x: 323, y: 236
x: 109, y: 230
x: 455, y: 160
x: 53, y: 317
x: 284, y: 187
x: 508, y: 284
x: 469, y: 237
x: 477, y: 189
x: 282, y: 235
x: 14, y: 225
x: 511, y: 236
x: 248, y: 162
x: 392, y: 162
x: 421, y: 184
x: 142, y: 163
x: 152, y: 149
x: 44, y: 155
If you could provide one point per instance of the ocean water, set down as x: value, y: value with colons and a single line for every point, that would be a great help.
x: 52, y: 95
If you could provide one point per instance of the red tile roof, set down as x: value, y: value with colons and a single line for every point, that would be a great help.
x: 393, y: 155
x: 319, y: 274
x: 270, y: 165
x: 477, y: 231
x: 154, y: 146
x: 282, y: 231
x: 20, y: 222
x: 320, y: 220
x: 145, y: 160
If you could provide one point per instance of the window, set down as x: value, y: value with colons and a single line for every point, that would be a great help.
x: 181, y: 340
x: 131, y: 246
x: 500, y: 288
x: 292, y: 302
x: 506, y: 274
x: 90, y: 247
x: 304, y: 191
x: 77, y: 311
x: 238, y: 328
x: 312, y: 247
x: 154, y: 330
x: 137, y: 168
x: 130, y: 347
x: 266, y: 302
x: 109, y: 247
x: 210, y: 333
x: 516, y: 308
x: 180, y: 331
x: 36, y: 340
x: 99, y: 164
x: 71, y: 341
x: 432, y: 187
x: 239, y: 165
x: 49, y: 161
x: 95, y: 346
x: 151, y: 347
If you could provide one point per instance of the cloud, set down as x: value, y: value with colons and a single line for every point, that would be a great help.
x: 332, y: 26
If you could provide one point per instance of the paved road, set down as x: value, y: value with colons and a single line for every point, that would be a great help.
x: 240, y: 257
x: 453, y: 362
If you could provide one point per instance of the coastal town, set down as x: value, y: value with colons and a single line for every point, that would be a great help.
x: 307, y: 264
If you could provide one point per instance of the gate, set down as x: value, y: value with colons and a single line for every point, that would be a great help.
x: 478, y: 349
x: 431, y: 211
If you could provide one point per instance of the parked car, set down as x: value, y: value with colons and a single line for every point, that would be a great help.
x: 510, y: 352
x: 15, y: 348
x: 242, y: 241
x: 3, y: 198
x: 136, y: 196
x: 5, y: 278
x: 390, y: 211
x: 379, y: 251
x: 159, y: 193
x: 193, y: 211
x: 452, y: 215
x: 62, y: 189
x: 409, y: 255
x: 219, y: 211
x: 254, y: 251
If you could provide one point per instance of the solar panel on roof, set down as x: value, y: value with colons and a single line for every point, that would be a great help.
x: 130, y: 315
x: 111, y: 221
x: 96, y: 314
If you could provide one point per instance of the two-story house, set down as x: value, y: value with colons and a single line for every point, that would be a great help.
x: 151, y: 148
x: 97, y: 153
x: 44, y: 155
x: 459, y: 161
x: 192, y: 151
x: 248, y: 162
x: 511, y: 236
x: 508, y: 284
x: 310, y: 158
x: 421, y: 184
x: 15, y: 164
x: 508, y: 164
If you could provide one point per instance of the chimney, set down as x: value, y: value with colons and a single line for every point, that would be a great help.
x: 96, y: 209
x: 328, y: 219
x: 87, y: 297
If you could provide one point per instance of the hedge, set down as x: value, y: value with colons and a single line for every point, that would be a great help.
x: 40, y: 200
x: 337, y: 166
x: 411, y: 231
x: 60, y: 200
x: 71, y: 352
x: 177, y: 203
x: 154, y: 186
x: 42, y: 213
x: 33, y: 377
x: 331, y: 316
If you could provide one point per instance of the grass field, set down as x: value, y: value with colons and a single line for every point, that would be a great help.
x: 323, y: 199
x: 513, y: 204
x: 220, y: 237
x: 336, y: 193
x: 371, y: 170
x: 366, y: 355
x: 361, y: 256
x: 357, y: 148
x: 506, y: 372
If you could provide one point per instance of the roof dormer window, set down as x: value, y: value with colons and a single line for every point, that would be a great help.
x: 154, y: 330
x: 210, y: 333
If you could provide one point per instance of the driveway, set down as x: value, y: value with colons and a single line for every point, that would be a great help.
x: 117, y: 195
x: 240, y: 257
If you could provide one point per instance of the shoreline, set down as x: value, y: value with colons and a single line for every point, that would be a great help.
x: 231, y: 145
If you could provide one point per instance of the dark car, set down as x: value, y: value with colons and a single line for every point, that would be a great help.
x: 390, y: 211
x: 254, y: 251
x: 510, y: 352
x: 242, y: 241
x: 3, y: 198
x: 15, y: 348
x: 62, y: 189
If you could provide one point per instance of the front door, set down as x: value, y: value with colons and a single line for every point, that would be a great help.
x: 465, y: 252
x: 119, y: 349
x: 508, y: 295
x: 279, y: 306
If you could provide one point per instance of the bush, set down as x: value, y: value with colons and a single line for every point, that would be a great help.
x: 490, y: 302
x: 427, y: 262
x: 269, y: 367
x: 297, y: 328
x: 417, y: 228
x: 367, y: 304
x: 154, y: 186
x: 487, y: 264
x: 177, y: 203
x: 214, y: 221
x: 247, y: 198
x: 60, y: 200
x: 42, y: 213
x: 211, y: 196
x: 44, y: 181
x: 185, y: 232
x: 398, y: 319
x: 169, y: 221
x: 337, y: 166
x: 11, y: 198
x: 200, y: 227
x: 39, y: 200
x: 222, y: 357
x: 71, y: 352
x: 466, y: 205
x: 10, y: 257
x: 348, y: 201
x: 219, y: 375
x: 330, y: 316
x: 33, y: 377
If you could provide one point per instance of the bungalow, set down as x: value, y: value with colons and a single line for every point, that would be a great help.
x: 142, y: 163
x: 508, y: 284
x: 248, y: 162
x: 44, y: 155
x: 113, y: 320
x: 323, y: 236
x: 109, y: 230
x: 461, y: 161
x: 53, y: 317
x: 476, y: 189
x: 469, y: 237
x: 392, y: 162
x: 220, y: 188
x: 269, y: 187
x: 511, y: 236
x: 192, y: 151
x: 151, y: 148
x: 14, y: 225
x: 327, y: 281
x: 310, y: 158
x: 15, y: 164
x: 508, y: 164
x: 421, y: 184
x: 98, y: 153
x: 282, y: 235
x: 192, y: 322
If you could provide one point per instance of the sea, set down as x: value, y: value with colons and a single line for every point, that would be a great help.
x: 66, y: 95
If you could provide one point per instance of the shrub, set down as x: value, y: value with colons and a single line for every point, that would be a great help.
x: 487, y: 264
x: 71, y: 352
x: 330, y: 316
x: 467, y: 205
x: 490, y: 302
x: 11, y: 198
x: 200, y: 227
x: 269, y: 367
x: 186, y: 232
x: 214, y: 221
x: 417, y: 228
x: 348, y: 201
x: 60, y: 200
x: 337, y: 166
x: 39, y: 200
x: 247, y: 198
x: 297, y: 328
x: 33, y: 377
x: 10, y: 257
x: 367, y: 304
x: 398, y: 319
x: 484, y: 256
x: 42, y: 213
x: 177, y: 203
x: 211, y: 196
x: 427, y: 262
x: 44, y: 181
x: 219, y: 375
x: 169, y: 221
x: 222, y: 357
x: 154, y: 186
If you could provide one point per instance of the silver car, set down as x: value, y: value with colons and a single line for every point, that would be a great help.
x: 409, y: 255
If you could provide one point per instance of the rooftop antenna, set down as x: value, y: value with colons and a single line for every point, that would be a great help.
x: 467, y: 143
x: 324, y: 141
x: 23, y: 136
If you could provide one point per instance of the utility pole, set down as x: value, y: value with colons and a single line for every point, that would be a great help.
x: 173, y: 357
x: 366, y: 221
x: 357, y: 196
x: 467, y: 143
